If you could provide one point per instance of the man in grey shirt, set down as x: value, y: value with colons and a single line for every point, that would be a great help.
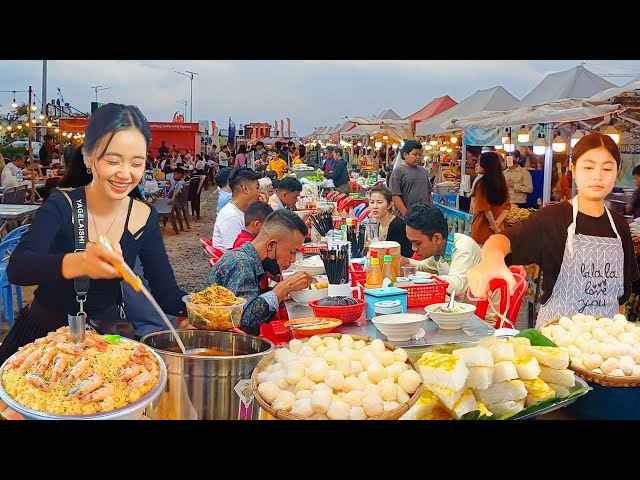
x: 410, y: 182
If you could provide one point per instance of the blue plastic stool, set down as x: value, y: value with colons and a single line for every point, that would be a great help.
x: 7, y: 247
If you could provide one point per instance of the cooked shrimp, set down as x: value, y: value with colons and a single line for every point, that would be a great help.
x: 130, y: 372
x: 86, y: 386
x: 99, y: 343
x: 20, y: 356
x: 140, y: 380
x: 46, y: 359
x: 61, y: 363
x: 99, y: 394
x: 77, y: 370
x: 37, y: 381
x: 68, y: 348
x: 31, y: 359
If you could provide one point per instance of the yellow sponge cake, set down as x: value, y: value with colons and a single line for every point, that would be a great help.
x: 528, y: 367
x: 466, y: 403
x: 448, y: 371
x: 475, y: 356
x: 554, y: 357
x: 503, y: 391
x: 537, y: 390
x: 563, y: 377
x: 447, y: 396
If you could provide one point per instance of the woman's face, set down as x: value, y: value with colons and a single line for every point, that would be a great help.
x: 378, y: 205
x: 595, y: 174
x: 122, y: 165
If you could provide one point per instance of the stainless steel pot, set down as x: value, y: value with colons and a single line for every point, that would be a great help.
x: 213, y: 387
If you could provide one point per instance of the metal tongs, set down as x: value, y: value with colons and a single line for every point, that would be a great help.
x: 129, y: 276
x: 308, y: 324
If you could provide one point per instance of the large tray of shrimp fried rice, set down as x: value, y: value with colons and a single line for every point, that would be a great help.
x: 55, y: 378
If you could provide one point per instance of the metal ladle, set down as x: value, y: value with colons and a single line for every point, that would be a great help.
x: 129, y: 276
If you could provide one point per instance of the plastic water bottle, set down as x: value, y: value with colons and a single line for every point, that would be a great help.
x: 19, y: 176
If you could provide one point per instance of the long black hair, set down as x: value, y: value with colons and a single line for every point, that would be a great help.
x: 493, y: 182
x: 76, y: 174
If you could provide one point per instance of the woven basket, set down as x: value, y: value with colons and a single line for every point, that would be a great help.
x: 279, y: 414
x: 600, y: 379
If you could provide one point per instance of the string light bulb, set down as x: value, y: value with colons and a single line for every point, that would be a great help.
x: 575, y: 138
x: 613, y: 133
x: 523, y: 135
x: 558, y: 145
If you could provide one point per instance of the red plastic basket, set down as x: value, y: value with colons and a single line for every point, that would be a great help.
x: 275, y: 331
x: 346, y: 313
x: 426, y: 294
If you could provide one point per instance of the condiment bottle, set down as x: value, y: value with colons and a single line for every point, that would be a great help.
x: 387, y: 268
x: 374, y: 274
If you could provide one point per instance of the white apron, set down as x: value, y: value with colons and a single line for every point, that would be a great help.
x: 591, y: 275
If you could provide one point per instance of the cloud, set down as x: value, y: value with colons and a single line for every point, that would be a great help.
x: 310, y: 92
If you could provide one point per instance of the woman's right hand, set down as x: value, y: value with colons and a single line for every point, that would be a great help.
x: 485, y: 271
x: 98, y: 261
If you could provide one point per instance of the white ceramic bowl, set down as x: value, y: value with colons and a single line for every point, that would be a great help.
x: 303, y: 297
x: 311, y: 269
x: 399, y: 326
x: 450, y: 321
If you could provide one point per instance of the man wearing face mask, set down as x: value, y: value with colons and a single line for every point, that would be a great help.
x: 273, y: 250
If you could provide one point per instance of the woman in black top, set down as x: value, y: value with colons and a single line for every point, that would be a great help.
x: 116, y: 140
x: 392, y: 228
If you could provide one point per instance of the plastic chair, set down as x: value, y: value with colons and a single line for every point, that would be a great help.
x: 182, y: 206
x: 358, y: 209
x: 509, y: 303
x: 6, y: 248
x: 20, y: 197
x: 16, y: 232
x: 9, y: 194
x: 205, y: 242
x: 213, y: 251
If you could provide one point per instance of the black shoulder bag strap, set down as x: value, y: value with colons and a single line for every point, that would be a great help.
x: 80, y: 284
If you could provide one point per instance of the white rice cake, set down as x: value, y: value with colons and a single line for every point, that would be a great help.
x: 475, y: 356
x: 465, y: 404
x: 507, y: 407
x: 448, y: 371
x: 563, y: 377
x: 503, y: 351
x: 561, y: 391
x: 503, y: 371
x: 447, y: 396
x: 480, y: 377
x: 554, y: 357
x: 423, y: 407
x: 528, y: 368
x: 503, y: 391
x: 537, y: 390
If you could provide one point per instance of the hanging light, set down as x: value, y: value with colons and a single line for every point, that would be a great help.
x: 49, y: 124
x: 443, y: 148
x: 378, y: 144
x: 613, y: 133
x: 0, y: 126
x: 34, y: 108
x: 26, y: 124
x: 433, y: 143
x: 371, y: 137
x: 523, y: 135
x: 449, y: 150
x: 506, y: 137
x: 9, y: 128
x: 428, y: 147
x: 19, y: 127
x: 509, y: 147
x: 56, y: 130
x: 575, y: 138
x: 453, y: 139
x: 394, y: 146
x: 498, y: 147
x: 559, y: 144
x: 14, y: 104
x: 359, y: 144
x: 384, y: 137
x: 41, y: 116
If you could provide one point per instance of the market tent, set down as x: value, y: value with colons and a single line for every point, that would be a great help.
x: 433, y: 108
x: 557, y: 112
x: 577, y: 82
x: 389, y: 114
x: 610, y: 93
x: 496, y: 98
x: 367, y: 126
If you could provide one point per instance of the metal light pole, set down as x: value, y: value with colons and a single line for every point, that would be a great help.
x: 189, y: 75
x: 99, y: 88
x: 184, y: 102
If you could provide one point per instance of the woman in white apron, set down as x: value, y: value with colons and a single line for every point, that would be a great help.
x: 585, y: 251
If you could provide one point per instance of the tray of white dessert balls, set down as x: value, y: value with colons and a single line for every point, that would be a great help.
x: 337, y: 377
x: 602, y: 350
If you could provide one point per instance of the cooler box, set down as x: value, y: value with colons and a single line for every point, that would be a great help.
x: 373, y: 295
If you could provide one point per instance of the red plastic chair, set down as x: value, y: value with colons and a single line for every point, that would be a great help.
x: 213, y: 251
x: 205, y: 242
x: 509, y: 303
x: 345, y: 204
x: 332, y: 194
x: 213, y: 260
